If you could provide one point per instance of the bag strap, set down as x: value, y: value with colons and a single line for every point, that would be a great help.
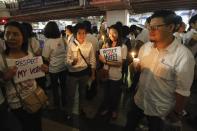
x: 81, y: 53
x: 30, y: 44
x: 12, y: 80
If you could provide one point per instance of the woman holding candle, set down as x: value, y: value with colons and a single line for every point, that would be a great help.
x: 79, y: 55
x: 112, y: 91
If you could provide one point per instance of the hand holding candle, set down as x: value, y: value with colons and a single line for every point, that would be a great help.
x: 136, y: 61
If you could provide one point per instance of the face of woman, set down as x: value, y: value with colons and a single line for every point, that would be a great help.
x: 113, y: 35
x: 13, y: 37
x: 81, y: 35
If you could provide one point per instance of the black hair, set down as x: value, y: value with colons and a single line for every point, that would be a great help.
x: 148, y: 19
x: 69, y: 27
x: 119, y: 41
x: 63, y: 33
x: 24, y: 46
x: 125, y: 31
x: 51, y: 30
x: 168, y: 16
x: 28, y: 29
x: 95, y: 29
x: 88, y: 26
x: 193, y: 19
x: 79, y: 26
x: 178, y: 22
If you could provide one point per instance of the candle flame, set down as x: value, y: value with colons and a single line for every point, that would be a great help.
x: 133, y: 54
x: 103, y: 37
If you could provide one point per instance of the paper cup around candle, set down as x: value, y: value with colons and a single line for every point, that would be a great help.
x: 136, y: 61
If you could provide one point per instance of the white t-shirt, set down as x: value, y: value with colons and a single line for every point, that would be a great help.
x: 143, y: 36
x: 115, y: 73
x: 25, y: 88
x: 92, y: 39
x: 54, y: 51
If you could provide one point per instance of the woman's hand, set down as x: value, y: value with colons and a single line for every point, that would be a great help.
x: 10, y: 73
x: 173, y: 117
x: 102, y: 59
x: 44, y: 68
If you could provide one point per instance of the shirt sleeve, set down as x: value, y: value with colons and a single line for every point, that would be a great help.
x: 184, y: 74
x: 92, y: 58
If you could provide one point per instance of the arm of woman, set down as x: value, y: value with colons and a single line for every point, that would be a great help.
x: 93, y: 63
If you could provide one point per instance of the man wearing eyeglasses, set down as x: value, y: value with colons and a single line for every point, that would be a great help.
x: 167, y: 69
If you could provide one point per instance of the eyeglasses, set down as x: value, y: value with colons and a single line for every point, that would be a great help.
x: 155, y: 27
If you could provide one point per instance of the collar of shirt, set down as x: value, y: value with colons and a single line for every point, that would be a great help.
x: 169, y: 48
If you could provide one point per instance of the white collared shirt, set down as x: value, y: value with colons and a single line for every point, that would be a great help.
x: 163, y: 72
x: 87, y: 51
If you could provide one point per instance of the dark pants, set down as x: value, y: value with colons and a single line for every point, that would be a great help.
x: 29, y: 122
x: 59, y: 79
x: 112, y: 93
x: 72, y: 83
x: 3, y: 117
x: 136, y: 114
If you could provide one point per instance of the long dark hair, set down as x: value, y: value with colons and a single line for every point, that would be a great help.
x: 51, y: 30
x: 16, y: 24
x: 119, y: 40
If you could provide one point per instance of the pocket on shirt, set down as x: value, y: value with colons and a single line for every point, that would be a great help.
x: 165, y: 71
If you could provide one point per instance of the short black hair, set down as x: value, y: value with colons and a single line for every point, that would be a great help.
x: 88, y: 26
x: 51, y: 30
x: 169, y: 17
x: 79, y: 26
x: 193, y: 19
x: 28, y: 29
x: 69, y: 27
x: 178, y: 22
x: 16, y: 24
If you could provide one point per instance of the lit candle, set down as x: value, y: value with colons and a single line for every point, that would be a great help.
x: 135, y: 60
x: 103, y: 38
x: 133, y: 54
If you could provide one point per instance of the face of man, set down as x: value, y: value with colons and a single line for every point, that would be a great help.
x: 158, y: 30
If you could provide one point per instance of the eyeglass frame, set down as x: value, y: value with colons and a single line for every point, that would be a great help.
x: 155, y: 27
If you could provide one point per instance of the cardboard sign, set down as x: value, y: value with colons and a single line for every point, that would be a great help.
x: 28, y: 69
x: 112, y: 54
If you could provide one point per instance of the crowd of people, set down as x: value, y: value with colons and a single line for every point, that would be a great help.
x: 157, y: 64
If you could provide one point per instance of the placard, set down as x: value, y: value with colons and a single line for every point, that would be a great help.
x: 112, y: 54
x: 28, y: 69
